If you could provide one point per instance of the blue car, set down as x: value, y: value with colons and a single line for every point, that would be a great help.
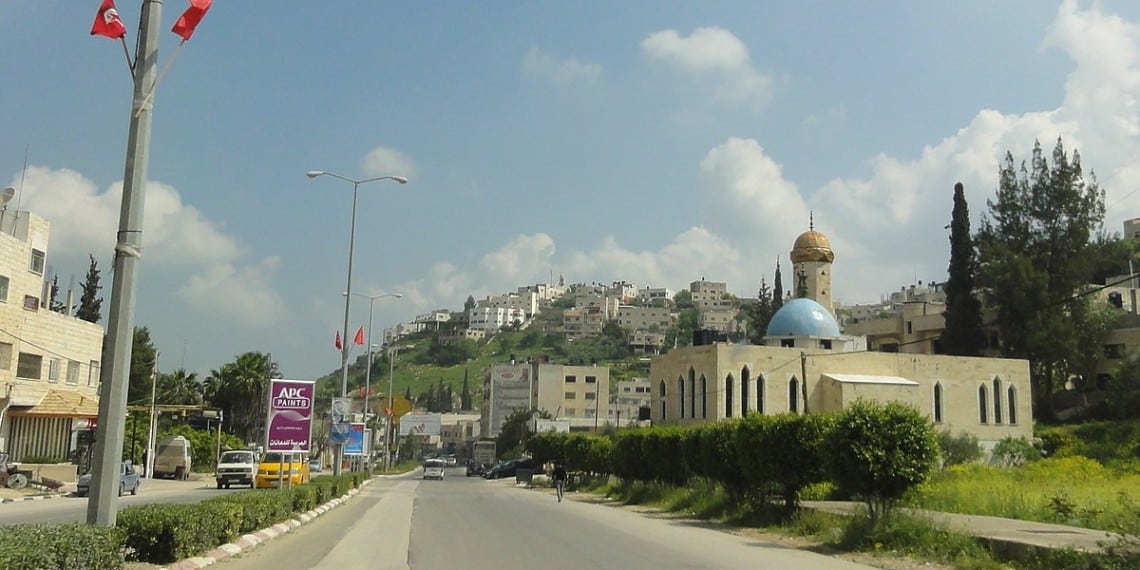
x: 129, y: 481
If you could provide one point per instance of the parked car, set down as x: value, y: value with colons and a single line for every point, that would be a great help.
x: 434, y: 468
x: 474, y: 468
x: 282, y: 469
x: 236, y: 468
x: 314, y: 466
x: 128, y: 481
x: 172, y: 458
x: 450, y: 461
x: 508, y: 468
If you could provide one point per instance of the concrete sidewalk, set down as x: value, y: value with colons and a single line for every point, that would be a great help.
x: 1014, y: 538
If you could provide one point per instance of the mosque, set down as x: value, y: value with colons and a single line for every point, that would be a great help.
x: 807, y: 365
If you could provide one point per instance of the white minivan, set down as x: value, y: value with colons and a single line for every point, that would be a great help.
x: 172, y: 458
x: 433, y: 469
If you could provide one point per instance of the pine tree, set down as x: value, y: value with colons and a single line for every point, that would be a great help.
x: 963, y: 333
x: 54, y: 303
x: 90, y: 304
x: 465, y: 395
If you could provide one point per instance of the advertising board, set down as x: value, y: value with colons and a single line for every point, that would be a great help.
x: 290, y: 421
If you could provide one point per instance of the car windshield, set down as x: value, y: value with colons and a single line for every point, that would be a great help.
x: 276, y: 457
x: 237, y: 457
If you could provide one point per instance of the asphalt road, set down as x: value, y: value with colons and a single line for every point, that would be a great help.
x: 470, y: 523
x: 74, y: 509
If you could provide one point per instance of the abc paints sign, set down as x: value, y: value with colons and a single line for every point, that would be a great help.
x: 290, y: 418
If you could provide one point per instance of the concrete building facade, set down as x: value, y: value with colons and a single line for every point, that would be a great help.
x: 50, y: 362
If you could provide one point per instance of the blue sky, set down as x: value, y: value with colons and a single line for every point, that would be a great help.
x: 653, y: 142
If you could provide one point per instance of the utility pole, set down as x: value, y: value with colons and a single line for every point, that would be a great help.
x: 114, y: 378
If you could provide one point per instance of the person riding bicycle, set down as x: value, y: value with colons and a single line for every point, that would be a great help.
x: 559, y: 477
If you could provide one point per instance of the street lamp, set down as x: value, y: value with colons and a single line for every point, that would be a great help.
x: 348, y: 287
x: 392, y: 352
x: 368, y: 371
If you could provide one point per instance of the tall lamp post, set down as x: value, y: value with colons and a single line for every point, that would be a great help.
x: 348, y: 287
x: 392, y: 352
x: 368, y: 371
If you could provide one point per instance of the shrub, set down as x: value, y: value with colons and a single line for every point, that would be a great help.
x: 958, y: 449
x: 878, y: 452
x: 1014, y: 451
x: 70, y: 546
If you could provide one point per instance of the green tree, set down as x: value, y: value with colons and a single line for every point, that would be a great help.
x: 963, y: 333
x: 777, y: 289
x: 469, y: 304
x: 240, y: 389
x: 1033, y: 262
x: 90, y: 303
x: 465, y: 394
x: 878, y: 452
x: 144, y: 365
x: 758, y: 314
x: 54, y: 304
x: 513, y: 434
x: 179, y: 387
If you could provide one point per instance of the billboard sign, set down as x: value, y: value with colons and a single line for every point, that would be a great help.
x: 355, y: 443
x: 339, y: 416
x: 290, y: 421
x: 420, y: 424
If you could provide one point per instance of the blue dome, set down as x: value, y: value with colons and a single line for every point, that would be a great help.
x: 802, y: 318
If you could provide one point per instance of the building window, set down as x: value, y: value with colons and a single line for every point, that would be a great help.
x: 910, y: 327
x: 93, y: 373
x: 825, y: 344
x: 794, y: 395
x: 760, y: 395
x: 983, y: 406
x: 5, y: 356
x: 591, y: 396
x: 29, y: 366
x: 788, y: 342
x: 591, y: 379
x: 571, y: 412
x: 3, y: 289
x: 53, y: 369
x: 1114, y: 351
x: 571, y: 379
x: 693, y: 393
x: 744, y: 380
x: 681, y: 397
x: 997, y: 401
x: 728, y: 396
x: 72, y: 372
x: 626, y: 389
x: 704, y: 398
x: 570, y: 395
x: 37, y: 264
x: 661, y: 389
x: 1012, y: 401
x: 938, y: 403
x: 31, y: 303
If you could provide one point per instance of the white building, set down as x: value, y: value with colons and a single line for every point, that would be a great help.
x: 492, y: 320
x: 49, y: 361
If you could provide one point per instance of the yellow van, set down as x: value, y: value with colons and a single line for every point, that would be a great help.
x: 282, y: 469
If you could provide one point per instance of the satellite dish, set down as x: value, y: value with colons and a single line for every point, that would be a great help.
x: 6, y: 196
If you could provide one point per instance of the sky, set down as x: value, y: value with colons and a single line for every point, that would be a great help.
x: 654, y: 142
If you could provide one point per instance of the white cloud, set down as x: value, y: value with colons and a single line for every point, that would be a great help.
x: 560, y: 71
x: 245, y: 293
x: 747, y: 194
x: 694, y: 253
x: 174, y: 234
x: 713, y: 51
x: 384, y: 161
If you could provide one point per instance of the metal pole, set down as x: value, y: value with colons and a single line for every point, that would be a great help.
x: 344, y: 336
x: 391, y: 399
x: 115, y: 373
x: 152, y: 429
x: 368, y: 382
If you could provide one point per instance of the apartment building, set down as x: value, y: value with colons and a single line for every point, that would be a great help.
x: 49, y: 361
x: 630, y: 398
x: 491, y: 320
x: 635, y: 319
x: 524, y: 302
x: 655, y: 296
x: 578, y: 394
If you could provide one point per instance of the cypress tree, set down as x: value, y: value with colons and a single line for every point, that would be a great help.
x: 963, y: 333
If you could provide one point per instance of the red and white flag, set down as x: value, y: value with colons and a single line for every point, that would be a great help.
x: 337, y: 342
x: 107, y: 22
x: 359, y: 336
x: 189, y: 19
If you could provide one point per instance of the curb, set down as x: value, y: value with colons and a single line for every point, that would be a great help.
x: 33, y: 498
x: 248, y: 542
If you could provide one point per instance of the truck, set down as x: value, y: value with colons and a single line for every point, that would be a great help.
x: 172, y: 458
x: 484, y: 452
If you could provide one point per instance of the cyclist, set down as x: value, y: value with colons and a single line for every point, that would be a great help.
x: 559, y: 476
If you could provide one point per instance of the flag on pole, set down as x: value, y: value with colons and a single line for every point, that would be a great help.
x: 359, y: 336
x: 107, y: 22
x: 337, y: 343
x: 189, y: 19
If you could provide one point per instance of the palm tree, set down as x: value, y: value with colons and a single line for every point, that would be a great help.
x: 239, y: 390
x: 180, y: 388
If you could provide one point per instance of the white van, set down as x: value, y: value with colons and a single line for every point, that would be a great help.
x: 433, y: 469
x: 172, y: 458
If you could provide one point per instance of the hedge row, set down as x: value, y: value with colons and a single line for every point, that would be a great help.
x: 872, y: 451
x: 163, y: 533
